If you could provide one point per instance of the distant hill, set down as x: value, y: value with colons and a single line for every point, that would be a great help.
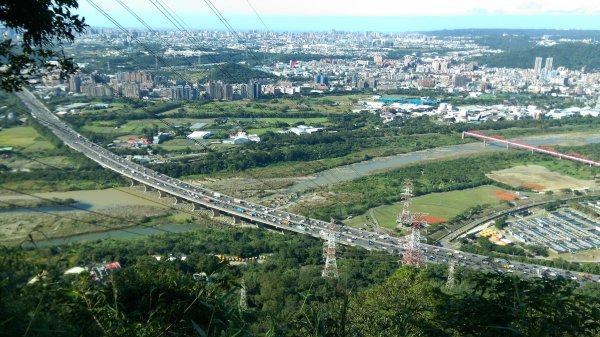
x: 235, y: 72
x: 569, y: 33
x: 570, y: 55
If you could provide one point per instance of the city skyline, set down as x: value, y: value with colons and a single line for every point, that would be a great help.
x: 380, y: 15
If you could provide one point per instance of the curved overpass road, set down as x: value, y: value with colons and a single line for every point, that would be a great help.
x: 268, y: 216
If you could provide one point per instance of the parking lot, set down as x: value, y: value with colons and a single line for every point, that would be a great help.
x: 564, y: 230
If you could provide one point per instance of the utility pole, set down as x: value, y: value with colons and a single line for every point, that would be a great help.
x: 330, y: 268
x: 450, y: 283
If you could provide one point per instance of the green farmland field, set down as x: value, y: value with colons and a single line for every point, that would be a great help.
x: 23, y: 136
x: 444, y: 205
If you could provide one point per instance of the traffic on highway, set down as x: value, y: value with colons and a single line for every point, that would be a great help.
x: 252, y: 212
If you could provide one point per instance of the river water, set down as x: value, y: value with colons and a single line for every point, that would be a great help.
x: 376, y: 165
x: 115, y: 234
x: 95, y: 200
x: 89, y: 200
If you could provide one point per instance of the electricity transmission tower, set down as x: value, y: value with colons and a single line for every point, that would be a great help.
x: 412, y: 250
x: 451, y: 282
x: 330, y: 268
x: 412, y: 253
x: 243, y: 300
x: 405, y: 217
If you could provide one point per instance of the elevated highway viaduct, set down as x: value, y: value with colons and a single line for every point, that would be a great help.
x: 262, y: 215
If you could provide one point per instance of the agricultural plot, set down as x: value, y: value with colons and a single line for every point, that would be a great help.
x: 23, y: 137
x: 538, y: 178
x: 439, y: 207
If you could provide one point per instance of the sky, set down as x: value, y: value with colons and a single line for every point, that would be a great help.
x: 354, y: 15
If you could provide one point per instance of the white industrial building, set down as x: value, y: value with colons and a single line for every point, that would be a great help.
x: 199, y: 135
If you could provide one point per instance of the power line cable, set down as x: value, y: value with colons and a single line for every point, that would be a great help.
x: 258, y: 16
x: 235, y: 34
x: 81, y: 209
x: 175, y: 16
x: 71, y: 218
x: 133, y: 37
x: 63, y: 169
x: 98, y: 213
x: 181, y: 25
x: 104, y: 13
x: 173, y: 20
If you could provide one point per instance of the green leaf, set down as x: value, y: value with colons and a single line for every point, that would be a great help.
x: 198, y: 329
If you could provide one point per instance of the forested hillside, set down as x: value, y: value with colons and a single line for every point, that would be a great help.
x: 570, y: 55
x: 286, y: 295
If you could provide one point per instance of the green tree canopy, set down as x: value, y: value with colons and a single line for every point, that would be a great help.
x: 40, y: 27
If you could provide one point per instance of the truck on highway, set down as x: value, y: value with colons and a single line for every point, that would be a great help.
x: 239, y: 209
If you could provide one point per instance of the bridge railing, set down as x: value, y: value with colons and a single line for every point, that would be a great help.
x: 540, y: 149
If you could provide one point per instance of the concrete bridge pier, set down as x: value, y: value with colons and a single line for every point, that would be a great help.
x: 145, y: 187
x: 236, y: 219
x: 132, y: 183
x: 162, y: 194
x: 215, y: 213
x: 177, y: 201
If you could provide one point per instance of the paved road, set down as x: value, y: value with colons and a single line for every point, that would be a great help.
x: 241, y: 209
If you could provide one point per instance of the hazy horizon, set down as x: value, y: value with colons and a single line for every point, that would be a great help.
x: 350, y: 15
x: 379, y: 24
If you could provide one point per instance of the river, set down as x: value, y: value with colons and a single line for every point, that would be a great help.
x: 89, y: 200
x: 376, y: 165
x: 115, y: 234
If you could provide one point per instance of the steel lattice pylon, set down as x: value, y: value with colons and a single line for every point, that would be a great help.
x: 412, y: 254
x: 243, y: 300
x: 412, y: 250
x: 451, y: 282
x: 330, y: 268
x: 405, y: 218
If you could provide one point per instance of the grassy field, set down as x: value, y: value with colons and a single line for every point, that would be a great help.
x: 311, y: 120
x: 253, y: 125
x: 575, y: 132
x: 302, y: 168
x: 131, y: 127
x: 24, y: 137
x: 591, y: 255
x: 444, y: 205
x: 260, y: 131
x: 527, y: 175
x: 179, y: 144
x: 113, y: 107
x: 278, y: 105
